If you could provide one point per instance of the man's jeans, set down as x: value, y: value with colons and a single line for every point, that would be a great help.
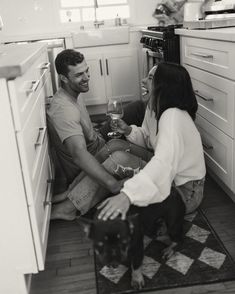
x: 121, y: 162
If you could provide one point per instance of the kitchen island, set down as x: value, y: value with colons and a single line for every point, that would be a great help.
x: 26, y: 168
x: 209, y: 57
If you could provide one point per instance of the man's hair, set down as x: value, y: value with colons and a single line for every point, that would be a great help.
x: 172, y: 87
x: 65, y: 58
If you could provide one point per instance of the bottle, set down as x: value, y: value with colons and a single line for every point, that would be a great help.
x: 118, y: 21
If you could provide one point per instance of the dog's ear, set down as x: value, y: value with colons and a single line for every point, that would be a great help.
x: 86, y: 223
x: 131, y: 221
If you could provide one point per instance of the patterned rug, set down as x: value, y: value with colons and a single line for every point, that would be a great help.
x: 201, y: 260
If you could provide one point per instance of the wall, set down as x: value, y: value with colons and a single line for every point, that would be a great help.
x: 142, y: 10
x: 27, y: 16
x: 23, y: 17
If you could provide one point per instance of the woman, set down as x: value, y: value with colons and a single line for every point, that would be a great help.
x: 169, y: 130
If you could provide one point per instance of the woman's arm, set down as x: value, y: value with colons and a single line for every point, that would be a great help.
x: 140, y: 135
x: 153, y: 183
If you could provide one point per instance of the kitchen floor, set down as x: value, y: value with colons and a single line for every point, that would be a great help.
x: 70, y: 267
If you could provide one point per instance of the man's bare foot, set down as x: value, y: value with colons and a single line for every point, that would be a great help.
x: 59, y: 197
x: 64, y: 210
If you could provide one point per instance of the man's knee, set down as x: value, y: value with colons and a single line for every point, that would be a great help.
x: 126, y: 159
x: 117, y: 145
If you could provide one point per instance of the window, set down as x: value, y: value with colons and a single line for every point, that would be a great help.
x: 74, y: 11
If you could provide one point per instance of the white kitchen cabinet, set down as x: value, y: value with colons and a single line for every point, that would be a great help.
x: 97, y: 93
x: 26, y: 170
x: 218, y: 149
x: 114, y: 73
x: 211, y: 65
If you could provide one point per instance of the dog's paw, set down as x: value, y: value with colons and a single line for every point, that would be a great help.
x: 137, y: 279
x: 169, y: 251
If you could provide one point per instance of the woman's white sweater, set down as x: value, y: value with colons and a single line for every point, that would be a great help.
x: 178, y: 156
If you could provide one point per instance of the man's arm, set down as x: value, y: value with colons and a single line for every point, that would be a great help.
x: 88, y: 163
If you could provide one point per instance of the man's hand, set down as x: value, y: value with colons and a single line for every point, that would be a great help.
x: 114, y: 206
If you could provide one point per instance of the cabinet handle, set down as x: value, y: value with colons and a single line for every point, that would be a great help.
x: 33, y: 87
x: 203, y: 97
x: 48, y: 101
x: 207, y: 147
x: 45, y: 65
x: 48, y: 190
x: 41, y: 136
x: 202, y: 55
x: 107, y: 66
x: 101, y: 69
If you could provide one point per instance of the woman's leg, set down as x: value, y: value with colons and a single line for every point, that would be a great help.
x: 192, y: 194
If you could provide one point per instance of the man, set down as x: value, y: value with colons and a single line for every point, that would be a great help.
x: 75, y: 140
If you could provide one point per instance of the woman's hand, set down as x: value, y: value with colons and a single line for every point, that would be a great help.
x: 114, y: 206
x: 121, y: 127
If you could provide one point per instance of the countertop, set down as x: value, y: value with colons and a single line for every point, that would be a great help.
x: 35, y: 37
x: 16, y: 59
x: 54, y: 35
x: 223, y: 34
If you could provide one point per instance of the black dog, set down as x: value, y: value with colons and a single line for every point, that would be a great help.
x: 118, y: 241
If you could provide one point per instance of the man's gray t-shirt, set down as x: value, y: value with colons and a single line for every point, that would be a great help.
x: 71, y: 118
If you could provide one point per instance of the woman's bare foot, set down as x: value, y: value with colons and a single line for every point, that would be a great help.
x: 59, y: 197
x: 64, y: 210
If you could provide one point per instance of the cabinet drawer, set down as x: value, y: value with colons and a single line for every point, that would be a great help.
x: 214, y: 56
x: 25, y: 89
x: 40, y: 210
x: 32, y: 143
x: 218, y: 150
x: 215, y: 96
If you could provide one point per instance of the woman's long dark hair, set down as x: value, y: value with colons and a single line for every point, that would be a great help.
x: 172, y: 87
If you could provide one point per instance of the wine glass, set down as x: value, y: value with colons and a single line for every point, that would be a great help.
x: 115, y: 111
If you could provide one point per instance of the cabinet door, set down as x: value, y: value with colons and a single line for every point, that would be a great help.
x: 122, y: 75
x: 96, y: 94
x: 218, y: 150
x: 40, y: 210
